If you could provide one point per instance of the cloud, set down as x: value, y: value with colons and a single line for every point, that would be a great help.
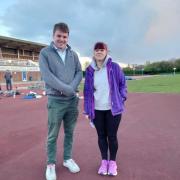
x: 134, y: 30
x: 89, y: 21
x: 165, y: 23
x: 4, y: 30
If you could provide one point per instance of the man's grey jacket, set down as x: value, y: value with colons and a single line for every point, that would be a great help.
x: 61, y: 79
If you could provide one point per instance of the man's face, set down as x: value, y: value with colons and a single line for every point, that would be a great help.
x: 60, y: 39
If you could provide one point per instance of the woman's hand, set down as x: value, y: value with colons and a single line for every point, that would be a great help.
x: 87, y: 117
x: 90, y: 122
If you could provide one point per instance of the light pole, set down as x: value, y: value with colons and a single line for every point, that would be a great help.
x: 134, y: 71
x: 174, y: 70
x: 142, y: 71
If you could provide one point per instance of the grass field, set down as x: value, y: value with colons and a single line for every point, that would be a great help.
x: 160, y: 84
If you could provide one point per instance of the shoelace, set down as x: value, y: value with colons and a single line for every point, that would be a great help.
x: 51, y: 167
x: 72, y: 161
x: 103, y: 166
x: 113, y: 165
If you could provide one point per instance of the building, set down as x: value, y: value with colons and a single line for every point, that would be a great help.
x: 21, y: 58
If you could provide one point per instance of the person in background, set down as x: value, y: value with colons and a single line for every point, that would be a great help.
x: 8, y: 79
x: 104, y: 95
x: 61, y: 71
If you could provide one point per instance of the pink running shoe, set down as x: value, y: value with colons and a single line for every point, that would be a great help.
x: 103, y: 168
x: 112, y: 171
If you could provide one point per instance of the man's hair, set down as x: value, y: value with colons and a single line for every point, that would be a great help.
x: 62, y: 27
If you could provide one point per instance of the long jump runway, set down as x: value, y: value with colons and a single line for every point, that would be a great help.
x: 149, y: 140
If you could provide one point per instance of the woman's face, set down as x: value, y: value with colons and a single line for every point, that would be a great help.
x: 100, y: 54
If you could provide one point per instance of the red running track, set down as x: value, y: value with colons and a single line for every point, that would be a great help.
x: 149, y: 140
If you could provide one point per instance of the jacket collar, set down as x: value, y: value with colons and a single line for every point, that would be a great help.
x: 91, y: 67
x: 105, y: 63
x: 53, y: 46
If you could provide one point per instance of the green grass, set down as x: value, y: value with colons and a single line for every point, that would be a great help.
x: 154, y: 84
x: 160, y: 84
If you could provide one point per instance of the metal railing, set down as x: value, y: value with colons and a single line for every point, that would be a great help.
x: 27, y: 63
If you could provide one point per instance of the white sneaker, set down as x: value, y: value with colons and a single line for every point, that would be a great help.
x: 71, y: 165
x: 51, y: 172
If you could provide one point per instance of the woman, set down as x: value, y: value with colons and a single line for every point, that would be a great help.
x: 104, y: 95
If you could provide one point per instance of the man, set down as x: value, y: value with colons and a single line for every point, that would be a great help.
x: 8, y: 77
x: 61, y: 71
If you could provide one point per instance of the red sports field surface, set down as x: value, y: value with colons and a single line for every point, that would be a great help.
x: 149, y: 140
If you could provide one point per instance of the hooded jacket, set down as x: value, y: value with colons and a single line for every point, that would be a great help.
x: 117, y: 84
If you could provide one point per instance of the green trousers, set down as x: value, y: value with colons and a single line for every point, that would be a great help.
x: 58, y: 111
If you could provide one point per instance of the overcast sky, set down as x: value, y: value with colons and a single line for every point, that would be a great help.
x: 136, y: 31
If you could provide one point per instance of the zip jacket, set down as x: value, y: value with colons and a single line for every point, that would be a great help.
x: 117, y: 84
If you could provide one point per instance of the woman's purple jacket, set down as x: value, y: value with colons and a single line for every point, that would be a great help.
x: 118, y: 89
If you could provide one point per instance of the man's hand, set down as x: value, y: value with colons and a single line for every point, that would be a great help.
x: 77, y: 94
